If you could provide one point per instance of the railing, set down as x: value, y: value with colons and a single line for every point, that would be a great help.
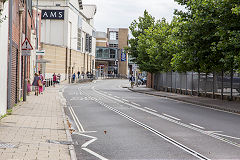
x: 215, y: 85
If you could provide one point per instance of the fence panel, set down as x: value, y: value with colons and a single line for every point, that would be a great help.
x: 211, y: 84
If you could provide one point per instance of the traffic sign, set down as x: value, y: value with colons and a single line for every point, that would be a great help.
x: 26, y: 45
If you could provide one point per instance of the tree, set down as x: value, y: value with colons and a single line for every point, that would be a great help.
x: 138, y: 28
x: 210, y: 33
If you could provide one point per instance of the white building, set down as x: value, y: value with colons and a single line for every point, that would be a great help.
x: 4, y: 56
x: 67, y: 36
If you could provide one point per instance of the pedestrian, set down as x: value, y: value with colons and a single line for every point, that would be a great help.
x: 54, y: 79
x: 40, y: 83
x: 59, y: 78
x: 28, y: 87
x: 35, y: 83
x: 132, y: 80
x: 83, y: 75
x: 78, y: 73
x: 73, y: 77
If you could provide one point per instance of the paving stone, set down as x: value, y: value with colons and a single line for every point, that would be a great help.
x: 31, y: 125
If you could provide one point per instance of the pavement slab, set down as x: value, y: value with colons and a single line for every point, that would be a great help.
x: 30, y: 126
x: 225, y: 105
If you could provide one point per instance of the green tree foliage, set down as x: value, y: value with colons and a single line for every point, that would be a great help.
x: 138, y: 28
x: 205, y: 37
x: 212, y: 28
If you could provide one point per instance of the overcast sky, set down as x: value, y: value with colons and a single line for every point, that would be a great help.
x: 120, y: 13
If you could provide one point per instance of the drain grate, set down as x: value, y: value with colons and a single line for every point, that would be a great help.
x: 60, y: 142
x: 6, y: 145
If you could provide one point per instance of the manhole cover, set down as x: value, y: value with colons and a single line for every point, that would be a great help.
x: 60, y: 142
x: 6, y: 145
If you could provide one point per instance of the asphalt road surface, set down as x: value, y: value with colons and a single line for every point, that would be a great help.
x: 111, y: 122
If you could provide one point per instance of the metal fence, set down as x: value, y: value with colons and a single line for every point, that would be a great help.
x: 215, y: 85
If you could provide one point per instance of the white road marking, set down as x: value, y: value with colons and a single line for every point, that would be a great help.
x: 212, y: 132
x: 84, y: 146
x: 172, y: 120
x: 79, y: 128
x: 172, y: 117
x: 88, y: 132
x: 125, y: 100
x: 94, y: 153
x: 227, y: 136
x: 170, y: 140
x: 116, y: 97
x: 197, y: 126
x: 150, y: 109
x: 136, y: 104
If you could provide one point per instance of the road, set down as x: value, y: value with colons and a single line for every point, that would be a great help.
x: 112, y: 122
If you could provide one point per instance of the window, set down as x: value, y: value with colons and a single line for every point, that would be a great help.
x: 105, y: 53
x: 90, y: 44
x: 102, y: 53
x: 112, y: 53
x: 79, y: 39
x: 113, y: 36
x: 113, y: 45
x: 99, y: 52
x: 87, y: 43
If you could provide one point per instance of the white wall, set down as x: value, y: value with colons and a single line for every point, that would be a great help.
x: 54, y: 31
x: 65, y: 32
x: 3, y: 60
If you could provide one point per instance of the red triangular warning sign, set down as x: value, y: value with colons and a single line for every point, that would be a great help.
x: 26, y: 45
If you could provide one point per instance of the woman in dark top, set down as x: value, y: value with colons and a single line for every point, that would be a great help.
x: 35, y: 83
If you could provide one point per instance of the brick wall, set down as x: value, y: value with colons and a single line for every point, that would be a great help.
x: 150, y: 80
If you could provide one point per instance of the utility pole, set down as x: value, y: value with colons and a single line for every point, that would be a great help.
x: 25, y: 57
x: 10, y: 55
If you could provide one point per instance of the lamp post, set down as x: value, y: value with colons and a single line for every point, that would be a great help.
x: 25, y: 57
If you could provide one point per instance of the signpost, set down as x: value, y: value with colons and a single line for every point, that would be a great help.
x: 26, y: 51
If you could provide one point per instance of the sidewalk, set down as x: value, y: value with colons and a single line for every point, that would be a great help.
x: 230, y: 106
x: 33, y: 124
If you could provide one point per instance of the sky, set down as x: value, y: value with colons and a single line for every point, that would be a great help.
x: 120, y: 13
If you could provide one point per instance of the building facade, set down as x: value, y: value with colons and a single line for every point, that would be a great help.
x: 111, y: 58
x: 118, y: 38
x: 67, y: 36
x: 106, y: 57
x: 12, y: 63
x: 4, y: 55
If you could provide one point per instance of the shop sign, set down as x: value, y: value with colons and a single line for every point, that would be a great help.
x: 53, y: 14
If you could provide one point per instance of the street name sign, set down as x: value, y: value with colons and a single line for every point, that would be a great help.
x: 40, y: 53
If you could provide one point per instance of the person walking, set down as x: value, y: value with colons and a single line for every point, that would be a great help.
x: 40, y: 83
x: 59, y: 78
x: 78, y: 73
x: 132, y: 80
x: 28, y: 87
x: 54, y: 79
x: 73, y: 77
x: 35, y: 83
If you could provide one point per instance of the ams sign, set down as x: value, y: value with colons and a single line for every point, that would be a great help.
x: 52, y: 14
